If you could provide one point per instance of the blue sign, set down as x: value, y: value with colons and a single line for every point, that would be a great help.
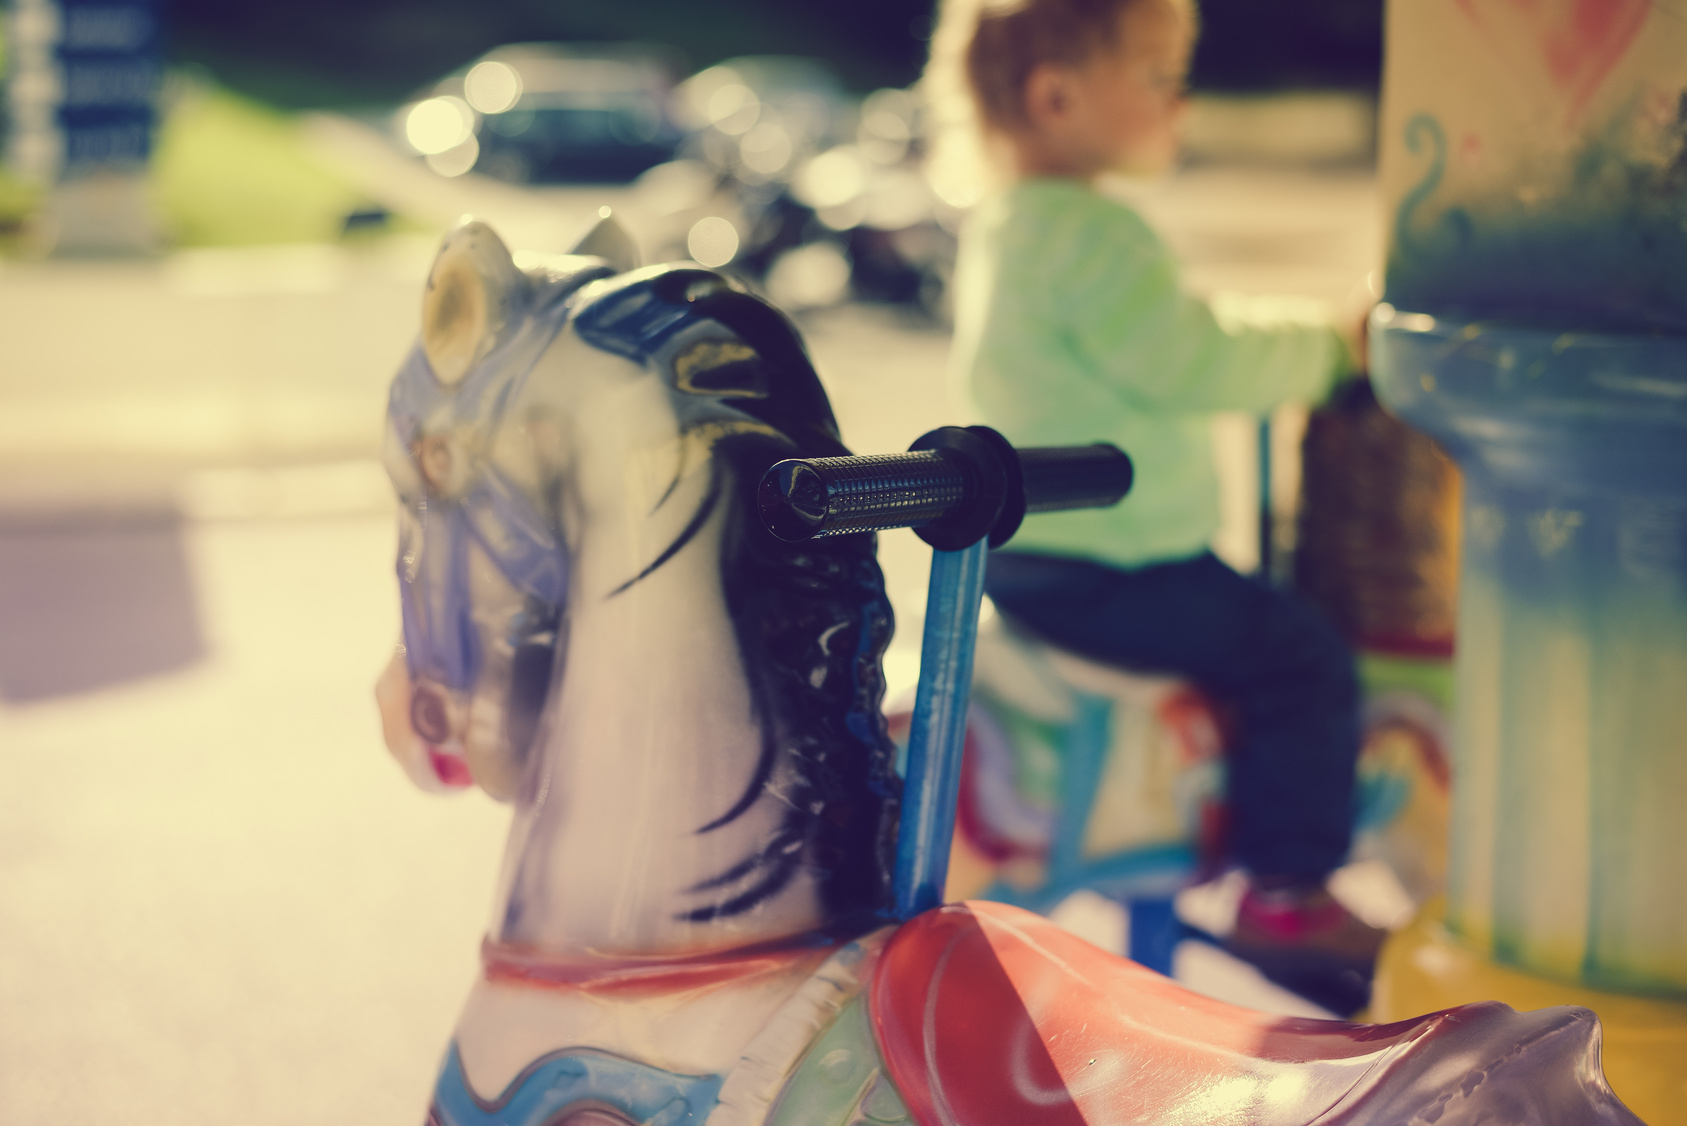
x: 109, y: 62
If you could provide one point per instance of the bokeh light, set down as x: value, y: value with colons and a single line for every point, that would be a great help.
x: 492, y: 86
x: 900, y: 197
x: 887, y: 125
x: 691, y: 98
x: 733, y: 108
x: 811, y: 276
x: 831, y: 179
x: 438, y: 124
x: 713, y: 241
x: 675, y: 186
x: 456, y: 160
x: 766, y: 148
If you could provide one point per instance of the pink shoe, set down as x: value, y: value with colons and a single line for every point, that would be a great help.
x: 1304, y: 939
x: 1307, y: 919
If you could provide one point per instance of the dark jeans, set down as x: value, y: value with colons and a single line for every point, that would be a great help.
x: 1272, y: 657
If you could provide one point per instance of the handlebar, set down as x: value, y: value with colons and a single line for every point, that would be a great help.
x: 954, y: 486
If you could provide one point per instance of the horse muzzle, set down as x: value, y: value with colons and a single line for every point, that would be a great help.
x: 438, y: 721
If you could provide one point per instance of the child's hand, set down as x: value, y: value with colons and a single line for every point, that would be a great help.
x: 1354, y: 322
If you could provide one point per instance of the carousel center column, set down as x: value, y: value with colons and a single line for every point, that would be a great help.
x: 1535, y: 167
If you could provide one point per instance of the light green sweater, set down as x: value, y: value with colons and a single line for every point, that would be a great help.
x: 1071, y: 327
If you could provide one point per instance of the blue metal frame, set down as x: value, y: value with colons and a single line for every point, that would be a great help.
x: 931, y: 792
x: 1267, y: 515
x: 937, y: 736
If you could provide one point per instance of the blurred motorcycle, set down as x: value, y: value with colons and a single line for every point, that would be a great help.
x: 814, y: 198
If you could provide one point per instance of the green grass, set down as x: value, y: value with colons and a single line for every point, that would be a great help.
x: 17, y: 200
x: 231, y: 172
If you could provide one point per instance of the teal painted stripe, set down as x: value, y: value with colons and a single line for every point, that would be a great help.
x: 553, y: 1083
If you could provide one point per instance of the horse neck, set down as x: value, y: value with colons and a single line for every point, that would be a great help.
x: 644, y: 807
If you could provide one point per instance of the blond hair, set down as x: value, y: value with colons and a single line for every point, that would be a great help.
x: 982, y: 54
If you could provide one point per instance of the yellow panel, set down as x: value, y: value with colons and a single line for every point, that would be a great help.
x: 1423, y: 968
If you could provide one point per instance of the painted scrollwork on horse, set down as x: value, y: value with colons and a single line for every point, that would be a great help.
x: 693, y: 917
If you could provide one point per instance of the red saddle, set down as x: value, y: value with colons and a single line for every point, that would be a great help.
x: 987, y: 1014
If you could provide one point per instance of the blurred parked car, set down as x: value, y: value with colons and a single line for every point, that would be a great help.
x: 756, y: 115
x: 548, y: 113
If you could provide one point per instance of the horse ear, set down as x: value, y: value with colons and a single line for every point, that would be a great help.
x: 472, y: 300
x: 610, y: 241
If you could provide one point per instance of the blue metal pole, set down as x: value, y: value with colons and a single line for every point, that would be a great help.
x: 1267, y: 521
x: 938, y: 733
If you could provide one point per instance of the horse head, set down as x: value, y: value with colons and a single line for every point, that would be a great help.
x: 594, y: 619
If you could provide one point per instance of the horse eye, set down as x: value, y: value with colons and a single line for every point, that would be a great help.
x: 433, y: 458
x: 428, y: 715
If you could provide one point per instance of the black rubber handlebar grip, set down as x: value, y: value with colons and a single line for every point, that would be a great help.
x: 1062, y: 477
x: 834, y: 496
x: 955, y: 487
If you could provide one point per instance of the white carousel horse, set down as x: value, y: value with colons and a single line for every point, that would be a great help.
x: 691, y: 925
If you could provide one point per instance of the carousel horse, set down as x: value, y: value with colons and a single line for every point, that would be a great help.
x: 692, y: 923
x: 1082, y: 775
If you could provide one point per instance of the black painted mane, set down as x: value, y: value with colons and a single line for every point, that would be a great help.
x: 811, y: 620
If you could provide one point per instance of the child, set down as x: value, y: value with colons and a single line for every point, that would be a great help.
x: 1071, y: 327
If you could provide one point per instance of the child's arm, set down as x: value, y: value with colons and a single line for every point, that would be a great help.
x: 1160, y: 349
